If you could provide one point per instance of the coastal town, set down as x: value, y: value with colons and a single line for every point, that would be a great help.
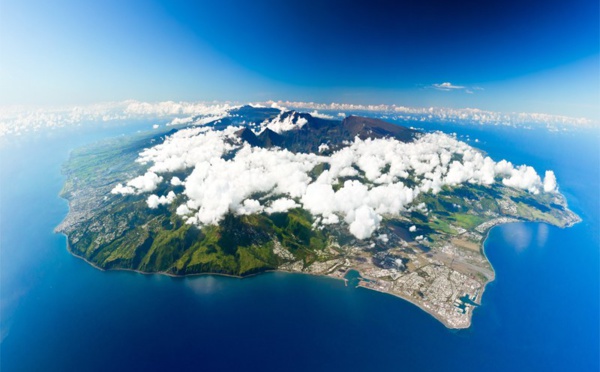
x: 446, y: 278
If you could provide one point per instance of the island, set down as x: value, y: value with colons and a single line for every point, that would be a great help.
x: 261, y: 189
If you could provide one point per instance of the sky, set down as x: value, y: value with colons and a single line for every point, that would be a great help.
x: 510, y: 56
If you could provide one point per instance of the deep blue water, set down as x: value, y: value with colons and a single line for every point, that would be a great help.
x: 60, y: 314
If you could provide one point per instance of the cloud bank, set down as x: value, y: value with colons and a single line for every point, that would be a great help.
x: 364, y: 182
x: 19, y: 120
x: 444, y: 114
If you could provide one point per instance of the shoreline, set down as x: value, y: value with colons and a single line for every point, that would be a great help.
x: 479, y: 301
x: 198, y: 274
x: 420, y: 306
x: 424, y: 309
x: 441, y: 320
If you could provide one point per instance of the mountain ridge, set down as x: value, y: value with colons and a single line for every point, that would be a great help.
x: 318, y: 131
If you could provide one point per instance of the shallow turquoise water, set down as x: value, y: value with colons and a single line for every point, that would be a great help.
x: 60, y: 314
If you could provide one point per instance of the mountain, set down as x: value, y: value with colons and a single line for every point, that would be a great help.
x: 374, y: 128
x: 301, y: 132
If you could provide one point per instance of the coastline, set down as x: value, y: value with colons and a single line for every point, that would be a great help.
x: 195, y: 274
x: 420, y: 306
x: 432, y: 314
x: 480, y: 296
x: 441, y: 320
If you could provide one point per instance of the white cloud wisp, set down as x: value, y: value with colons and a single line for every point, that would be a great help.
x: 446, y: 86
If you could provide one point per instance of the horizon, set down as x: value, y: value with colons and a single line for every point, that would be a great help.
x: 18, y: 120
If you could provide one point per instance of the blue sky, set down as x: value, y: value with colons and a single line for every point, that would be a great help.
x: 531, y: 56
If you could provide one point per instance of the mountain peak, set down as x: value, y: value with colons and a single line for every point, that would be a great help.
x: 302, y: 132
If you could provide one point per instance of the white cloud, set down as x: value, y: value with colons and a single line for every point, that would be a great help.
x: 550, y: 182
x: 186, y: 148
x: 123, y: 190
x: 249, y: 206
x: 146, y: 183
x: 181, y: 121
x: 524, y: 177
x: 154, y: 201
x: 141, y: 184
x: 276, y: 105
x: 321, y: 115
x: 170, y: 108
x: 446, y: 86
x: 281, y: 124
x: 281, y: 205
x: 319, y: 198
x: 323, y: 147
x: 255, y: 179
x: 183, y: 210
x: 364, y: 223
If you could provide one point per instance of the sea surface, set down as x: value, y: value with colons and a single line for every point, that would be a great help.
x: 60, y: 314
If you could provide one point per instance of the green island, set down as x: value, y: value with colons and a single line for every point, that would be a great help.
x: 430, y: 254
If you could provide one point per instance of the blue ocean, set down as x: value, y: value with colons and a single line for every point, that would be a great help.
x: 60, y: 314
